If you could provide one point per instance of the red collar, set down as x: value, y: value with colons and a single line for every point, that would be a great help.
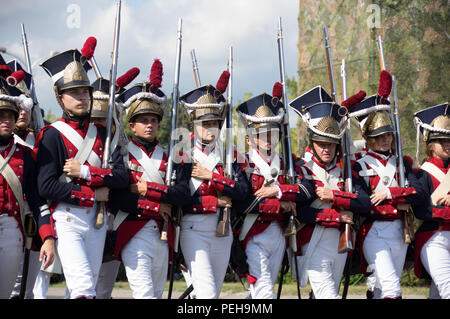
x: 8, y: 148
x: 76, y: 124
x: 439, y: 163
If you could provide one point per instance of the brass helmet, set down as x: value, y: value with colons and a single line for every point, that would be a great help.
x: 434, y: 122
x: 100, y: 95
x: 146, y: 97
x: 263, y: 112
x: 13, y: 99
x: 207, y: 102
x: 321, y: 115
x: 373, y: 113
x: 67, y: 70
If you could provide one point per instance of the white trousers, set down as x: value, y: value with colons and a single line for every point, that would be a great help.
x: 435, y: 257
x: 385, y: 249
x: 264, y: 257
x: 80, y: 248
x: 107, y: 279
x: 325, y: 267
x: 146, y: 258
x: 11, y: 253
x: 206, y: 255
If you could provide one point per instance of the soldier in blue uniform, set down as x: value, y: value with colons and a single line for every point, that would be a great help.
x: 69, y: 157
x: 147, y: 203
x: 432, y: 238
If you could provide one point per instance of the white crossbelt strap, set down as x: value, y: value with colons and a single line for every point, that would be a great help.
x: 84, y: 146
x: 386, y: 173
x: 263, y: 169
x: 444, y: 181
x: 13, y: 181
x: 150, y: 165
x: 151, y: 172
x: 209, y: 162
x: 330, y: 180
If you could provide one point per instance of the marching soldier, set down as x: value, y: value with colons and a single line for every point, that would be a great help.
x: 432, y: 239
x: 18, y: 177
x: 206, y: 254
x: 318, y: 257
x: 69, y: 158
x: 24, y: 135
x: 381, y: 237
x: 147, y: 203
x: 99, y: 114
x: 262, y: 229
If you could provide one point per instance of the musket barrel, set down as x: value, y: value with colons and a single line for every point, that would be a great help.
x: 330, y: 63
x: 287, y: 148
x: 198, y: 83
x: 175, y: 95
x: 39, y: 122
x: 111, y: 103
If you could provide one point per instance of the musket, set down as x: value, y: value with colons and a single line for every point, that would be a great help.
x: 408, y: 232
x: 223, y: 226
x: 329, y: 62
x: 38, y: 122
x: 170, y: 171
x: 101, y: 207
x: 198, y: 83
x: 291, y: 230
x: 345, y: 243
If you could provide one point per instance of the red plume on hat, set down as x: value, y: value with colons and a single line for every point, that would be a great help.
x: 222, y: 84
x: 126, y: 78
x: 89, y: 47
x: 16, y: 78
x: 354, y: 100
x: 156, y: 73
x: 5, y: 70
x: 385, y: 86
x: 277, y: 90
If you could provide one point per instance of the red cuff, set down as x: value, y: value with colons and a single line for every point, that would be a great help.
x: 270, y: 206
x: 208, y: 205
x: 86, y: 196
x: 443, y: 213
x: 342, y: 199
x: 329, y: 217
x: 219, y: 182
x: 288, y: 192
x: 397, y: 193
x: 149, y: 208
x: 47, y: 230
x: 97, y: 175
x: 385, y: 212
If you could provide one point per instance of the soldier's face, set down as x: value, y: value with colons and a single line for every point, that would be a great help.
x: 24, y: 119
x: 383, y: 142
x: 7, y: 122
x: 145, y: 126
x: 76, y: 101
x: 326, y: 151
x: 207, y: 131
x: 441, y: 149
x: 265, y: 142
